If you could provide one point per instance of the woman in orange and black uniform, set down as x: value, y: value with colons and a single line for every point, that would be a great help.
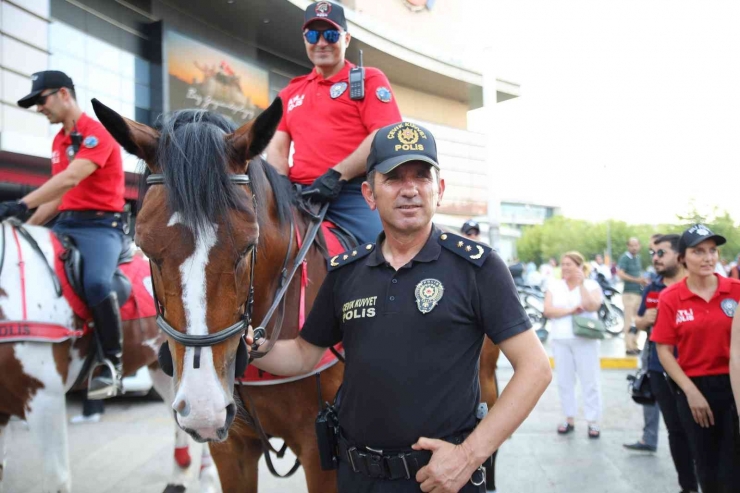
x: 695, y: 316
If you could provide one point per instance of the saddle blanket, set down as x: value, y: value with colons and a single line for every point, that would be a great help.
x: 254, y: 376
x: 140, y: 303
x: 35, y: 332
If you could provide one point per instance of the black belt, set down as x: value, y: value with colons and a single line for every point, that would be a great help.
x: 90, y: 215
x: 384, y: 465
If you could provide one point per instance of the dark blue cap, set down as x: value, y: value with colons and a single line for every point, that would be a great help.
x: 325, y: 11
x: 48, y: 79
x: 397, y: 144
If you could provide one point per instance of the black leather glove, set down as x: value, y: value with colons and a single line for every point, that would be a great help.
x: 326, y: 187
x: 12, y: 208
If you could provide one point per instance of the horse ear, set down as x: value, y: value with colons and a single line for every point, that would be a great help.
x: 138, y: 139
x: 251, y: 139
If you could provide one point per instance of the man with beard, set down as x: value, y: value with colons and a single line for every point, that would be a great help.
x: 665, y: 260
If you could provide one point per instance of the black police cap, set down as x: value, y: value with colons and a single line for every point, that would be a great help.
x: 469, y: 226
x: 48, y: 79
x: 397, y: 144
x: 697, y: 234
x: 325, y: 11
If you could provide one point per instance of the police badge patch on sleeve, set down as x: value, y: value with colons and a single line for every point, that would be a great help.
x: 384, y: 94
x: 90, y: 142
x: 428, y: 293
x: 729, y: 306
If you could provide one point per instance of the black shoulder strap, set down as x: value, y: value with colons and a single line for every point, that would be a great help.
x: 349, y: 256
x: 472, y: 251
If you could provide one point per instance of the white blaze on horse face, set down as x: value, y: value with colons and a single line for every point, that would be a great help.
x: 201, y: 400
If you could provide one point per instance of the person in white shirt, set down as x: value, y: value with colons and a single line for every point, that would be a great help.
x: 575, y: 294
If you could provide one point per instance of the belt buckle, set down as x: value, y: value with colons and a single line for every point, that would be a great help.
x: 405, y: 465
x: 374, y: 463
x: 482, y: 471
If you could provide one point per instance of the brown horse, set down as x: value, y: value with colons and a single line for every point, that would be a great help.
x: 216, y: 221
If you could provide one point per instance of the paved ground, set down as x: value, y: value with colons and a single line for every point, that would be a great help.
x: 130, y: 450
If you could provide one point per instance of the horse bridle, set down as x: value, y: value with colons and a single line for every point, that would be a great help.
x: 241, y: 326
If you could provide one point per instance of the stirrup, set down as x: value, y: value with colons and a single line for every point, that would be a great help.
x: 109, y: 390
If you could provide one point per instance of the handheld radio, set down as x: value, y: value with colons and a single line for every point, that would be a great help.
x: 76, y: 138
x: 357, y: 81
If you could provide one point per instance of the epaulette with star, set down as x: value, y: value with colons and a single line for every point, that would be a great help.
x: 350, y: 256
x: 472, y: 251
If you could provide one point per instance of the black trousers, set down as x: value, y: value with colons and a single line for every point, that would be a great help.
x: 677, y: 438
x: 716, y: 449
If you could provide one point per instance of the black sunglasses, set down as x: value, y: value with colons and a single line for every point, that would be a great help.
x: 41, y: 100
x: 659, y: 253
x: 330, y: 35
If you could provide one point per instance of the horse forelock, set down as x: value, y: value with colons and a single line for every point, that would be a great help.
x: 194, y: 158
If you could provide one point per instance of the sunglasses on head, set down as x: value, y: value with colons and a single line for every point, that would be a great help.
x: 41, y: 100
x: 659, y: 253
x: 330, y: 35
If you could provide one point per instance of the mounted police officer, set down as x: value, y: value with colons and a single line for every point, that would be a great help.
x: 412, y: 311
x: 86, y: 190
x: 330, y: 121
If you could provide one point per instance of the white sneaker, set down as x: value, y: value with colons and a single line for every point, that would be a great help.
x: 81, y: 419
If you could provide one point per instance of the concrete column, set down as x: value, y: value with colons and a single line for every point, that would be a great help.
x: 494, y: 187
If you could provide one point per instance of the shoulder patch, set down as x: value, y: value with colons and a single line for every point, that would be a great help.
x: 472, y: 251
x: 90, y: 142
x: 349, y: 256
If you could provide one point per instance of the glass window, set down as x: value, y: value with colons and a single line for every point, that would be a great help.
x: 102, y: 54
x: 103, y: 81
x: 141, y: 71
x: 24, y: 26
x: 22, y: 58
x: 66, y: 39
x: 143, y: 96
x: 14, y: 87
x: 74, y: 67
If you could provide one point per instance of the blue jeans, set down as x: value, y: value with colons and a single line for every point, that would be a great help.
x: 100, y: 244
x: 351, y: 212
x: 651, y: 414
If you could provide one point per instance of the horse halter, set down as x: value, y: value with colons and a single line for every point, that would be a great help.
x: 199, y: 341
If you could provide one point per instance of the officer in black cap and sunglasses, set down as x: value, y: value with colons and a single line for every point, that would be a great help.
x: 330, y: 116
x: 86, y: 192
x: 412, y: 311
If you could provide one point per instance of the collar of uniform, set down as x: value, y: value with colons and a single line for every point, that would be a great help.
x: 629, y: 255
x: 723, y: 286
x: 428, y: 253
x: 339, y: 76
x: 81, y: 122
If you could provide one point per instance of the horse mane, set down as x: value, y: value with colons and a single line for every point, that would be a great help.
x: 193, y: 156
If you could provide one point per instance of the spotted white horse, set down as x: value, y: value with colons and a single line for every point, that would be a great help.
x: 43, y: 351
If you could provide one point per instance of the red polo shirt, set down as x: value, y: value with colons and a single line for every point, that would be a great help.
x: 325, y: 130
x: 103, y: 189
x: 700, y: 329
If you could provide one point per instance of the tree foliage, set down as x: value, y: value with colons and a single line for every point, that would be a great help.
x: 559, y: 234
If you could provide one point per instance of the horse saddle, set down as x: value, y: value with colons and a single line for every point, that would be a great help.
x: 73, y: 268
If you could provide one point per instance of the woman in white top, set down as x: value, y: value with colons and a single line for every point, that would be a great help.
x: 575, y: 294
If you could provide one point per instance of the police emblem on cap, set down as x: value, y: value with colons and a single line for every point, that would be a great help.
x: 323, y: 9
x: 384, y: 94
x: 700, y: 230
x: 34, y: 77
x: 90, y: 142
x: 338, y: 89
x: 428, y: 293
x: 729, y: 306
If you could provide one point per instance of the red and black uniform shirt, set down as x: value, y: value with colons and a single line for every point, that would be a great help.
x: 103, y: 190
x: 699, y: 329
x: 325, y: 125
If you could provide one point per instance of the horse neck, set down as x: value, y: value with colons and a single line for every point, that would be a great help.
x: 25, y: 279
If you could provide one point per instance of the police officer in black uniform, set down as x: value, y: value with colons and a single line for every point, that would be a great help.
x: 412, y: 311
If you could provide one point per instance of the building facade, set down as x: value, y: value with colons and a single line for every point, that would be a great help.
x: 145, y: 57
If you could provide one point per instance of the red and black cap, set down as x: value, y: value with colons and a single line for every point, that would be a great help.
x: 48, y: 79
x: 697, y: 234
x: 325, y: 11
x: 397, y: 144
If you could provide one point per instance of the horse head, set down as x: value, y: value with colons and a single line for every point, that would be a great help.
x: 198, y: 226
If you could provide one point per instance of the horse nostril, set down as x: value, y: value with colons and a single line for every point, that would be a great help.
x: 230, y: 415
x: 181, y: 407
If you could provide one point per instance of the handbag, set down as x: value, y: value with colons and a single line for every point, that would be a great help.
x: 639, y: 388
x: 590, y: 328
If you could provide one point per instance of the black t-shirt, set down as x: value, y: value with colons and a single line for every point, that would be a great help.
x: 410, y: 374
